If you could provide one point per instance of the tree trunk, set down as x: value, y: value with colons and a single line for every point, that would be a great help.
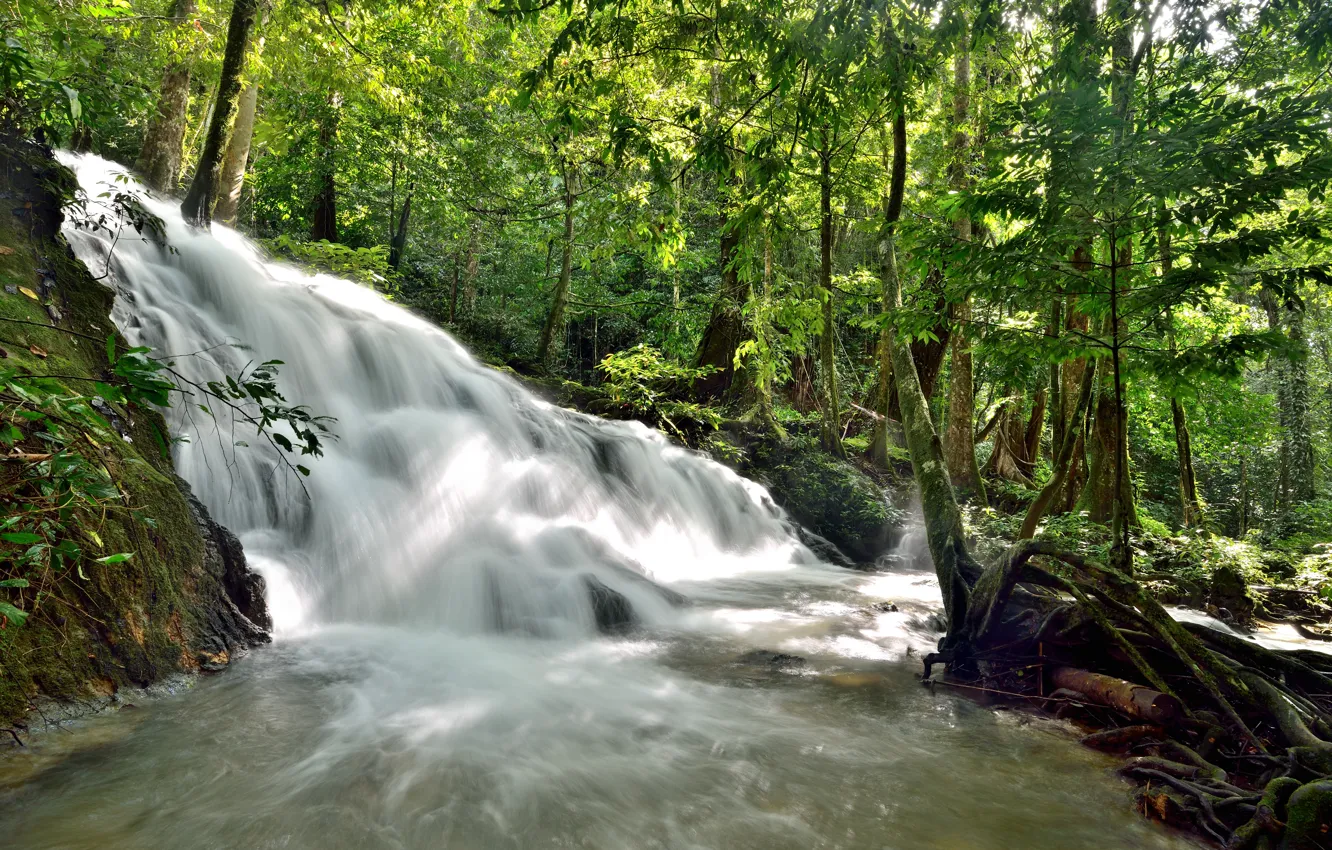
x: 726, y: 328
x: 831, y: 432
x: 453, y: 297
x: 1064, y: 455
x: 953, y: 564
x: 1070, y: 374
x: 959, y: 440
x: 232, y: 178
x: 197, y: 208
x: 959, y: 436
x: 164, y: 140
x: 324, y: 219
x: 473, y: 268
x: 1031, y: 442
x: 399, y: 242
x: 1298, y: 433
x: 555, y: 318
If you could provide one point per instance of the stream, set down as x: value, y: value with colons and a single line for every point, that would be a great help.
x: 437, y: 678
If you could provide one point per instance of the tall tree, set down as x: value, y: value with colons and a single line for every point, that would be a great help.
x: 197, y: 208
x: 164, y: 139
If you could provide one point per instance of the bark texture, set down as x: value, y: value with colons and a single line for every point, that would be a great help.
x: 830, y: 433
x: 197, y: 208
x: 324, y: 216
x: 232, y: 178
x: 560, y: 298
x: 163, y: 141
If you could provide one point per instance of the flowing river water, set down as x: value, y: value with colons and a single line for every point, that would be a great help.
x: 437, y: 679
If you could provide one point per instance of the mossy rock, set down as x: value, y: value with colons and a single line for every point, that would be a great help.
x: 177, y: 604
x: 830, y: 497
x: 1309, y: 818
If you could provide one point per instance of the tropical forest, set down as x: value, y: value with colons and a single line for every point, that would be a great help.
x: 665, y: 424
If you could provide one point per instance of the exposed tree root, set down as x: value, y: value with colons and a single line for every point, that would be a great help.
x: 1227, y: 734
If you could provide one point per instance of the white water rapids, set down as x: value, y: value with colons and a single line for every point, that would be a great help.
x: 437, y: 680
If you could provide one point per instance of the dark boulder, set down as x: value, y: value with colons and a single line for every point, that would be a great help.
x: 241, y: 619
x: 613, y: 612
x: 1229, y: 592
x: 835, y: 501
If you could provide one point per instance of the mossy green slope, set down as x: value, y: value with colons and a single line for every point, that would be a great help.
x: 166, y: 609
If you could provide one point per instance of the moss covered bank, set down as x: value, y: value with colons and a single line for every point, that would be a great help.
x: 184, y: 601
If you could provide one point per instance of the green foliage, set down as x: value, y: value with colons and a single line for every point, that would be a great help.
x: 61, y: 492
x: 651, y: 387
x: 367, y: 265
x: 32, y: 97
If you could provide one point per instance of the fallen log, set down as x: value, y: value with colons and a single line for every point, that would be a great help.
x: 1137, y: 701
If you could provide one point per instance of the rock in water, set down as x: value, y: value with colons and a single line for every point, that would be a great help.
x: 612, y: 610
x: 1230, y: 592
x: 768, y: 658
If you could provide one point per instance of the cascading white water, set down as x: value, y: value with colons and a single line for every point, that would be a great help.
x: 437, y: 681
x: 452, y: 497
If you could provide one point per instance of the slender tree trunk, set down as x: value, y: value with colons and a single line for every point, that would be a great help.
x: 959, y: 443
x: 726, y: 327
x: 1057, y: 420
x: 555, y: 318
x: 763, y: 378
x: 953, y: 564
x: 1064, y: 453
x: 399, y: 242
x: 472, y: 271
x: 197, y: 208
x: 232, y: 178
x: 1299, y: 432
x: 1244, y: 499
x: 1190, y: 508
x: 1031, y: 437
x: 1075, y: 323
x: 831, y: 433
x: 324, y: 220
x: 1124, y: 515
x: 164, y: 140
x: 453, y: 297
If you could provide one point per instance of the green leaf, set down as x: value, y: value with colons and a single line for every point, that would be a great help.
x: 22, y: 538
x: 75, y: 108
x: 18, y: 615
x: 14, y: 582
x: 118, y: 558
x: 109, y: 392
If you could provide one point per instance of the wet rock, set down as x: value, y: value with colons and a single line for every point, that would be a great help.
x: 613, y: 612
x: 99, y: 404
x: 242, y: 618
x: 1230, y: 593
x: 823, y: 548
x: 774, y: 660
x: 883, y: 608
x: 833, y: 499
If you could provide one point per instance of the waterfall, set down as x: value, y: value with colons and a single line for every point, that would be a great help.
x: 451, y: 497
